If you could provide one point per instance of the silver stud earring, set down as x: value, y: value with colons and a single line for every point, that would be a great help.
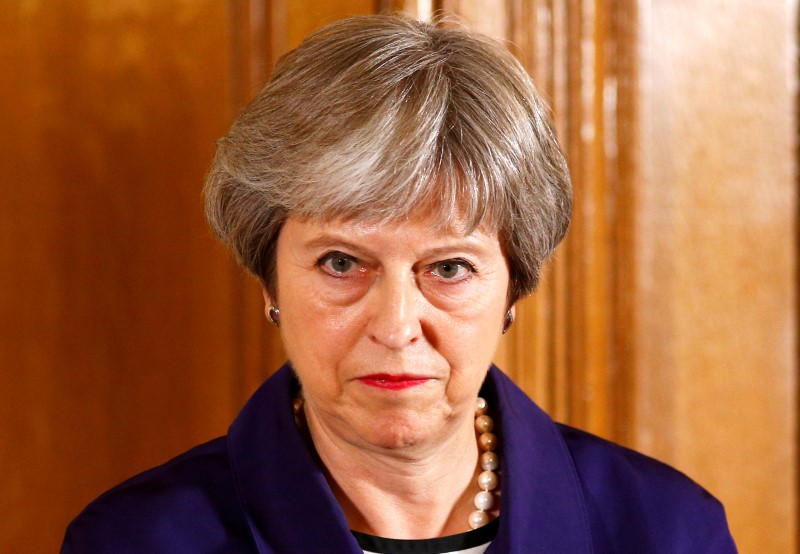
x: 274, y: 315
x: 509, y: 319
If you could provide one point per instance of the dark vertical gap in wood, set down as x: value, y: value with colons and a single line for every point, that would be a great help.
x: 575, y: 313
x: 623, y: 65
x: 553, y: 58
x: 561, y: 87
x: 612, y: 47
x: 606, y: 172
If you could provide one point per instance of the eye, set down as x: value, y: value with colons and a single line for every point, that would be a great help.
x: 453, y: 270
x: 337, y: 263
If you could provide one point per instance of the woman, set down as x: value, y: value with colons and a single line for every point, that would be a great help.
x: 396, y: 188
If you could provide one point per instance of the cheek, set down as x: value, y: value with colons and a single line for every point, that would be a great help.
x: 476, y: 317
x: 316, y: 336
x: 470, y: 343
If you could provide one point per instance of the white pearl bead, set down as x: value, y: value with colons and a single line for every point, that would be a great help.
x: 478, y: 519
x: 487, y: 441
x: 489, y: 461
x: 484, y: 500
x: 483, y: 424
x: 487, y: 480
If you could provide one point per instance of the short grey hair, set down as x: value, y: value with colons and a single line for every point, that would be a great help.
x: 381, y: 118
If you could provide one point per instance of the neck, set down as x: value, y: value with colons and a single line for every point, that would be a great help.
x: 416, y: 492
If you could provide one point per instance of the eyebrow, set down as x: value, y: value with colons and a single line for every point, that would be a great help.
x: 332, y: 241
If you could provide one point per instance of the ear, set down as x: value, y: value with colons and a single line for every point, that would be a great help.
x: 513, y: 310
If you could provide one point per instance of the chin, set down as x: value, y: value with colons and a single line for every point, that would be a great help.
x: 393, y: 430
x: 396, y: 438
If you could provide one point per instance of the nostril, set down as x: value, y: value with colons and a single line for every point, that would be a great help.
x: 394, y: 337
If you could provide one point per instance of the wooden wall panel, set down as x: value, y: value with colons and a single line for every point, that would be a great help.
x: 116, y: 306
x: 716, y: 243
x: 305, y: 17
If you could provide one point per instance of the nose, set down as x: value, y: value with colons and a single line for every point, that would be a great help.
x: 394, y: 321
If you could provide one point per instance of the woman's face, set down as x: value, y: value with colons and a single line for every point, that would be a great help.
x: 390, y: 327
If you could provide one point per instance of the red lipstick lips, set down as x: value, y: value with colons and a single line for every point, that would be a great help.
x: 392, y: 382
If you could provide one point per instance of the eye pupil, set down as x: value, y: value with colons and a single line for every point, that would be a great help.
x: 341, y: 264
x: 448, y: 269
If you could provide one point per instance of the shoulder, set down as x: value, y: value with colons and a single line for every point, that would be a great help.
x: 188, y: 504
x: 638, y: 504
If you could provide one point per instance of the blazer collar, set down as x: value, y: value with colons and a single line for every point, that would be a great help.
x: 290, y: 507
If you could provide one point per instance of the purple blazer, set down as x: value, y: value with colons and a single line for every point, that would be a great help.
x: 259, y: 489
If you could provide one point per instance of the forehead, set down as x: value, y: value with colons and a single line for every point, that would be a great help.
x: 417, y: 233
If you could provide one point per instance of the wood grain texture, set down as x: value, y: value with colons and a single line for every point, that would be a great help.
x: 305, y: 17
x: 716, y: 237
x: 420, y: 9
x: 116, y: 305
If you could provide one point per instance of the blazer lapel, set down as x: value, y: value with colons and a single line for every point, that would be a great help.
x: 542, y: 508
x: 282, y: 490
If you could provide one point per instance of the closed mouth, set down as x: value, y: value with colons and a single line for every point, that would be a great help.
x: 393, y: 382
